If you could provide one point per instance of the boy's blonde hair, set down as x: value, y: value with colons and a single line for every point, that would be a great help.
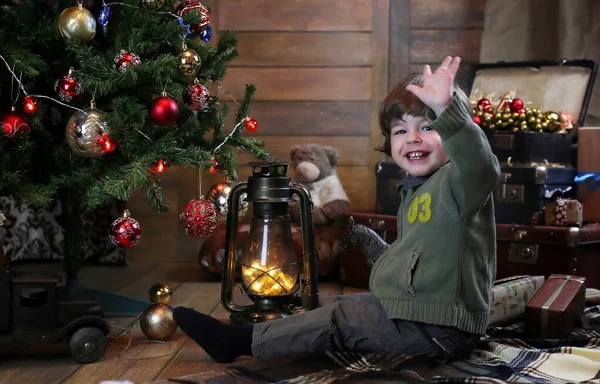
x: 400, y: 102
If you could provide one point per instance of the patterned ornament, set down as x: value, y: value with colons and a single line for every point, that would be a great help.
x: 484, y: 105
x: 125, y: 231
x: 69, y: 88
x: 159, y: 166
x: 196, y: 96
x: 157, y: 322
x: 13, y: 123
x: 160, y: 293
x: 189, y: 61
x: 193, y: 6
x: 206, y: 34
x: 87, y: 134
x: 125, y: 60
x: 77, y: 23
x: 29, y: 105
x: 152, y: 5
x: 103, y: 17
x: 163, y: 110
x: 219, y: 193
x: 251, y: 125
x: 199, y: 218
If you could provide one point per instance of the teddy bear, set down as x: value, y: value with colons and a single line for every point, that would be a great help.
x: 314, y: 167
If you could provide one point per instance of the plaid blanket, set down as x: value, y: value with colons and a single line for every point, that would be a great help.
x: 503, y: 355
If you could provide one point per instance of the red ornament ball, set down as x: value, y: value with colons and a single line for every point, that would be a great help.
x: 196, y: 97
x: 159, y: 166
x: 13, y: 123
x: 477, y: 120
x: 30, y: 105
x: 484, y: 105
x: 125, y: 60
x: 517, y: 105
x: 163, y: 111
x: 69, y: 88
x: 125, y: 231
x: 195, y: 7
x: 199, y: 218
x: 251, y: 125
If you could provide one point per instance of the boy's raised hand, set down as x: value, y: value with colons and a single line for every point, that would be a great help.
x: 438, y: 87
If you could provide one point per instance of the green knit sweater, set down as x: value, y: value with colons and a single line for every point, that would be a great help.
x: 441, y: 268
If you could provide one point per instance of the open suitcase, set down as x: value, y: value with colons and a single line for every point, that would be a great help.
x: 537, y: 167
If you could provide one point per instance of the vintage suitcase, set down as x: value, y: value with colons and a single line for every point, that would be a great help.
x: 556, y: 86
x: 522, y: 191
x: 389, y: 176
x: 543, y: 250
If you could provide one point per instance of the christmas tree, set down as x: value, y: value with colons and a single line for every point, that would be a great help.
x: 98, y: 99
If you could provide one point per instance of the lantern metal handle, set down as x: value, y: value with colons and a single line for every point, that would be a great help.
x: 231, y: 250
x: 309, y: 252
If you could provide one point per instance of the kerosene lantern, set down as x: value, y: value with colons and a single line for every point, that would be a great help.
x: 271, y: 275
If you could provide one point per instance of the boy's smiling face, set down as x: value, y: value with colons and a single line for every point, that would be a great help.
x: 416, y: 148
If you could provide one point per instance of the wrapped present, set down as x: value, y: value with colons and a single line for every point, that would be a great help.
x: 511, y: 295
x: 557, y: 306
x: 564, y: 213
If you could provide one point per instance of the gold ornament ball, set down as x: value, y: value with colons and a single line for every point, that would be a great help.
x: 83, y: 131
x: 160, y: 293
x: 77, y: 23
x: 152, y: 5
x: 219, y: 196
x: 157, y: 322
x: 190, y: 62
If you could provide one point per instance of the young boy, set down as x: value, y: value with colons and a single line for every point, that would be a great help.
x: 431, y: 289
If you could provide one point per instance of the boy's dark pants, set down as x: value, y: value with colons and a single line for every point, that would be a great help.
x: 358, y: 322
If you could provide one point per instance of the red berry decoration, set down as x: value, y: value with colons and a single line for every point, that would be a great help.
x: 251, y: 125
x: 30, y: 105
x: 163, y: 110
x: 214, y: 168
x: 125, y: 231
x: 69, y: 88
x: 125, y: 60
x: 195, y: 7
x: 517, y: 105
x: 505, y: 104
x: 199, y: 218
x: 484, y: 105
x: 196, y: 96
x: 13, y: 123
x: 106, y: 143
x: 159, y: 166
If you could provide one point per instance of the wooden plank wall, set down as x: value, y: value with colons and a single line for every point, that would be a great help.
x: 322, y: 68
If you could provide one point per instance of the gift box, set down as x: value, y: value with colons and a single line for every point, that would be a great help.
x: 564, y: 213
x: 557, y: 306
x: 511, y: 295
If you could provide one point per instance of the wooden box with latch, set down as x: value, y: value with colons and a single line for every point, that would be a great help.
x: 523, y: 190
x: 543, y: 250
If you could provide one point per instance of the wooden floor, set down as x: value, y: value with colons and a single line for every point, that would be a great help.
x: 133, y: 357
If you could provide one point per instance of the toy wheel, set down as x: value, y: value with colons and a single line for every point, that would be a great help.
x: 87, y: 345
